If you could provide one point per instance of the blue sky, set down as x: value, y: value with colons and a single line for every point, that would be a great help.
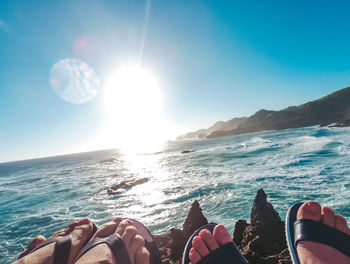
x: 215, y: 59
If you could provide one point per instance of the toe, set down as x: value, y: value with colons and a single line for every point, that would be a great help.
x: 199, y: 246
x: 81, y: 233
x: 194, y: 256
x: 72, y: 225
x: 36, y: 242
x: 208, y: 239
x: 341, y: 225
x: 221, y: 235
x: 142, y: 256
x: 128, y: 235
x: 310, y: 210
x: 328, y: 216
x: 136, y: 243
x: 33, y: 244
x: 117, y: 220
x: 106, y: 229
x: 123, y: 225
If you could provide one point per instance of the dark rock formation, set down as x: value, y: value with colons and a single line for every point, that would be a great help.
x: 125, y: 185
x: 333, y: 108
x: 240, y: 227
x: 172, y: 245
x: 187, y: 151
x: 261, y: 241
x: 195, y: 219
x: 345, y: 123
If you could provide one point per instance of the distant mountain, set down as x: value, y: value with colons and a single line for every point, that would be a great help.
x: 330, y: 109
x: 333, y: 108
x: 218, y: 126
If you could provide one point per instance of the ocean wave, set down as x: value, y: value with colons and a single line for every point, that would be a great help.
x: 222, y: 174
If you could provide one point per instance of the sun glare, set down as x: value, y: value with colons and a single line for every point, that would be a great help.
x: 133, y: 102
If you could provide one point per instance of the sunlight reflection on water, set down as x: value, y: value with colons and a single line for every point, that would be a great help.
x: 223, y: 174
x: 141, y: 200
x: 74, y: 81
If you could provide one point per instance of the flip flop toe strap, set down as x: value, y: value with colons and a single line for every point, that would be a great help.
x: 61, y: 250
x: 114, y: 242
x: 226, y: 254
x: 310, y: 230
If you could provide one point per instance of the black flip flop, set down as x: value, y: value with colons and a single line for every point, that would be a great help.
x: 62, y: 246
x: 226, y: 254
x: 114, y: 242
x: 118, y: 248
x: 305, y: 229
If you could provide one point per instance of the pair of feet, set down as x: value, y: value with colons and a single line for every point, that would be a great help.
x: 202, y: 245
x: 80, y: 232
x: 308, y: 252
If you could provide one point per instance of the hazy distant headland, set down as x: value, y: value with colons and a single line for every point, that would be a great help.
x: 331, y: 109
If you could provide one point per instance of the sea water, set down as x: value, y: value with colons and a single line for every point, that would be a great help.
x: 44, y: 195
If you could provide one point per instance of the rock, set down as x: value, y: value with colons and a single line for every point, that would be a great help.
x: 345, y: 123
x: 262, y: 241
x: 173, y: 243
x: 221, y: 125
x: 284, y: 257
x: 264, y: 238
x: 333, y: 108
x: 125, y: 185
x: 240, y: 226
x: 195, y: 219
x: 179, y: 242
x: 187, y: 151
x: 263, y: 211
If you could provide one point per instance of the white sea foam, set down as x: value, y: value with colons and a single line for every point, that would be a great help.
x: 222, y: 174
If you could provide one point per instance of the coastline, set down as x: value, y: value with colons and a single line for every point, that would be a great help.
x: 262, y: 241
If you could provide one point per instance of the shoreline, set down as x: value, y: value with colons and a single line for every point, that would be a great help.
x: 262, y: 241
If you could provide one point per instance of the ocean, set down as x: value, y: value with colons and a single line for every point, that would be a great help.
x: 44, y: 195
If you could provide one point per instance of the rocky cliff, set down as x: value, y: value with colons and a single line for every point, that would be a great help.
x: 261, y: 241
x: 333, y: 108
x: 218, y: 126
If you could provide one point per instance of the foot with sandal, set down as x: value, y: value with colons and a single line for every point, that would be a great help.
x: 62, y: 247
x: 315, y: 235
x: 120, y: 241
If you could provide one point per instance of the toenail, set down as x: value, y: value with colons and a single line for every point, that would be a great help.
x: 205, y: 232
x: 195, y: 240
x: 221, y: 231
x: 312, y: 207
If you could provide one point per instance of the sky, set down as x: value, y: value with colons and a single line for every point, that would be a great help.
x: 212, y: 60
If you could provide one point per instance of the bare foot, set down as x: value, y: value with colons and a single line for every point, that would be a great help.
x: 207, y: 242
x: 316, y: 253
x: 134, y: 243
x: 80, y: 231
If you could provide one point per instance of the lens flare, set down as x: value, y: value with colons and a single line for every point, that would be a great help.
x: 74, y: 81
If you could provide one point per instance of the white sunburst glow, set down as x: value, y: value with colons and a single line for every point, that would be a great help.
x: 133, y: 102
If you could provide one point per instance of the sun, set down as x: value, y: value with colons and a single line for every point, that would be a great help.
x: 133, y: 103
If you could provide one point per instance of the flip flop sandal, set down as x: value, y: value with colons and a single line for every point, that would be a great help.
x: 118, y: 248
x: 62, y: 247
x: 150, y: 243
x: 225, y: 254
x: 306, y: 229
